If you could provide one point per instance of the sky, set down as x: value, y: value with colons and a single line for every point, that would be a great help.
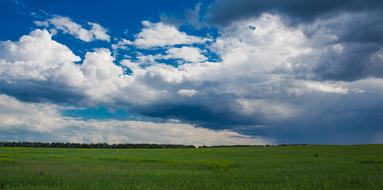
x: 215, y: 72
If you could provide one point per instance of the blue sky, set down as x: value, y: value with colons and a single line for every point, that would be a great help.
x: 117, y: 16
x: 192, y: 72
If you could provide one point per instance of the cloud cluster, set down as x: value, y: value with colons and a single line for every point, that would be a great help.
x: 348, y: 32
x: 43, y: 122
x: 37, y: 68
x: 307, y: 81
x: 269, y: 76
x: 66, y: 25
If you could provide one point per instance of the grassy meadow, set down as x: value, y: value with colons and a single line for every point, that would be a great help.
x: 284, y: 167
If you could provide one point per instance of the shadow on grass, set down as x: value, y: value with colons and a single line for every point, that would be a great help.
x: 220, y: 165
x: 371, y: 162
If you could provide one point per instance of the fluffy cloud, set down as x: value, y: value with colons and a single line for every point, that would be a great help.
x: 122, y: 44
x: 160, y: 35
x: 28, y: 115
x: 37, y: 68
x: 66, y: 25
x: 102, y: 77
x: 188, y: 54
x: 43, y: 122
x: 35, y: 63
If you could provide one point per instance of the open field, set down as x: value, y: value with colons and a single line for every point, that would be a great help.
x: 285, y: 167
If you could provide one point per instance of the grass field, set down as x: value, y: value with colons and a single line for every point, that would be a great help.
x: 286, y: 167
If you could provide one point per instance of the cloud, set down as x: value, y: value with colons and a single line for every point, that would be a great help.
x: 187, y: 92
x: 224, y: 12
x: 66, y: 25
x: 187, y: 54
x: 160, y: 35
x: 102, y: 77
x: 43, y: 122
x: 266, y: 108
x: 37, y: 68
x: 327, y: 88
x: 351, y: 52
x: 36, y: 63
x: 122, y: 44
x: 177, y: 55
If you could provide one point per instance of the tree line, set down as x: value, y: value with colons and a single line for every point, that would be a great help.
x: 128, y: 145
x: 91, y: 145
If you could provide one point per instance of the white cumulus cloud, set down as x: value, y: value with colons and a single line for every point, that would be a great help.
x: 188, y: 54
x: 161, y: 34
x: 66, y: 25
x: 37, y: 57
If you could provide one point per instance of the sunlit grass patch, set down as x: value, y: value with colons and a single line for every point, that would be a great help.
x: 7, y: 160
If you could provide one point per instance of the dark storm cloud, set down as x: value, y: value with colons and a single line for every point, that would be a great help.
x: 357, y: 25
x: 360, y: 37
x: 335, y: 131
x: 201, y: 115
x: 40, y: 91
x: 223, y: 12
x: 212, y: 111
x: 355, y: 61
x: 329, y: 119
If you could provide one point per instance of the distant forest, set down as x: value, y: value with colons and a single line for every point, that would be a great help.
x: 91, y: 145
x: 116, y: 146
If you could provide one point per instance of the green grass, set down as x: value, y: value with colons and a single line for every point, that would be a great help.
x: 287, y: 167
